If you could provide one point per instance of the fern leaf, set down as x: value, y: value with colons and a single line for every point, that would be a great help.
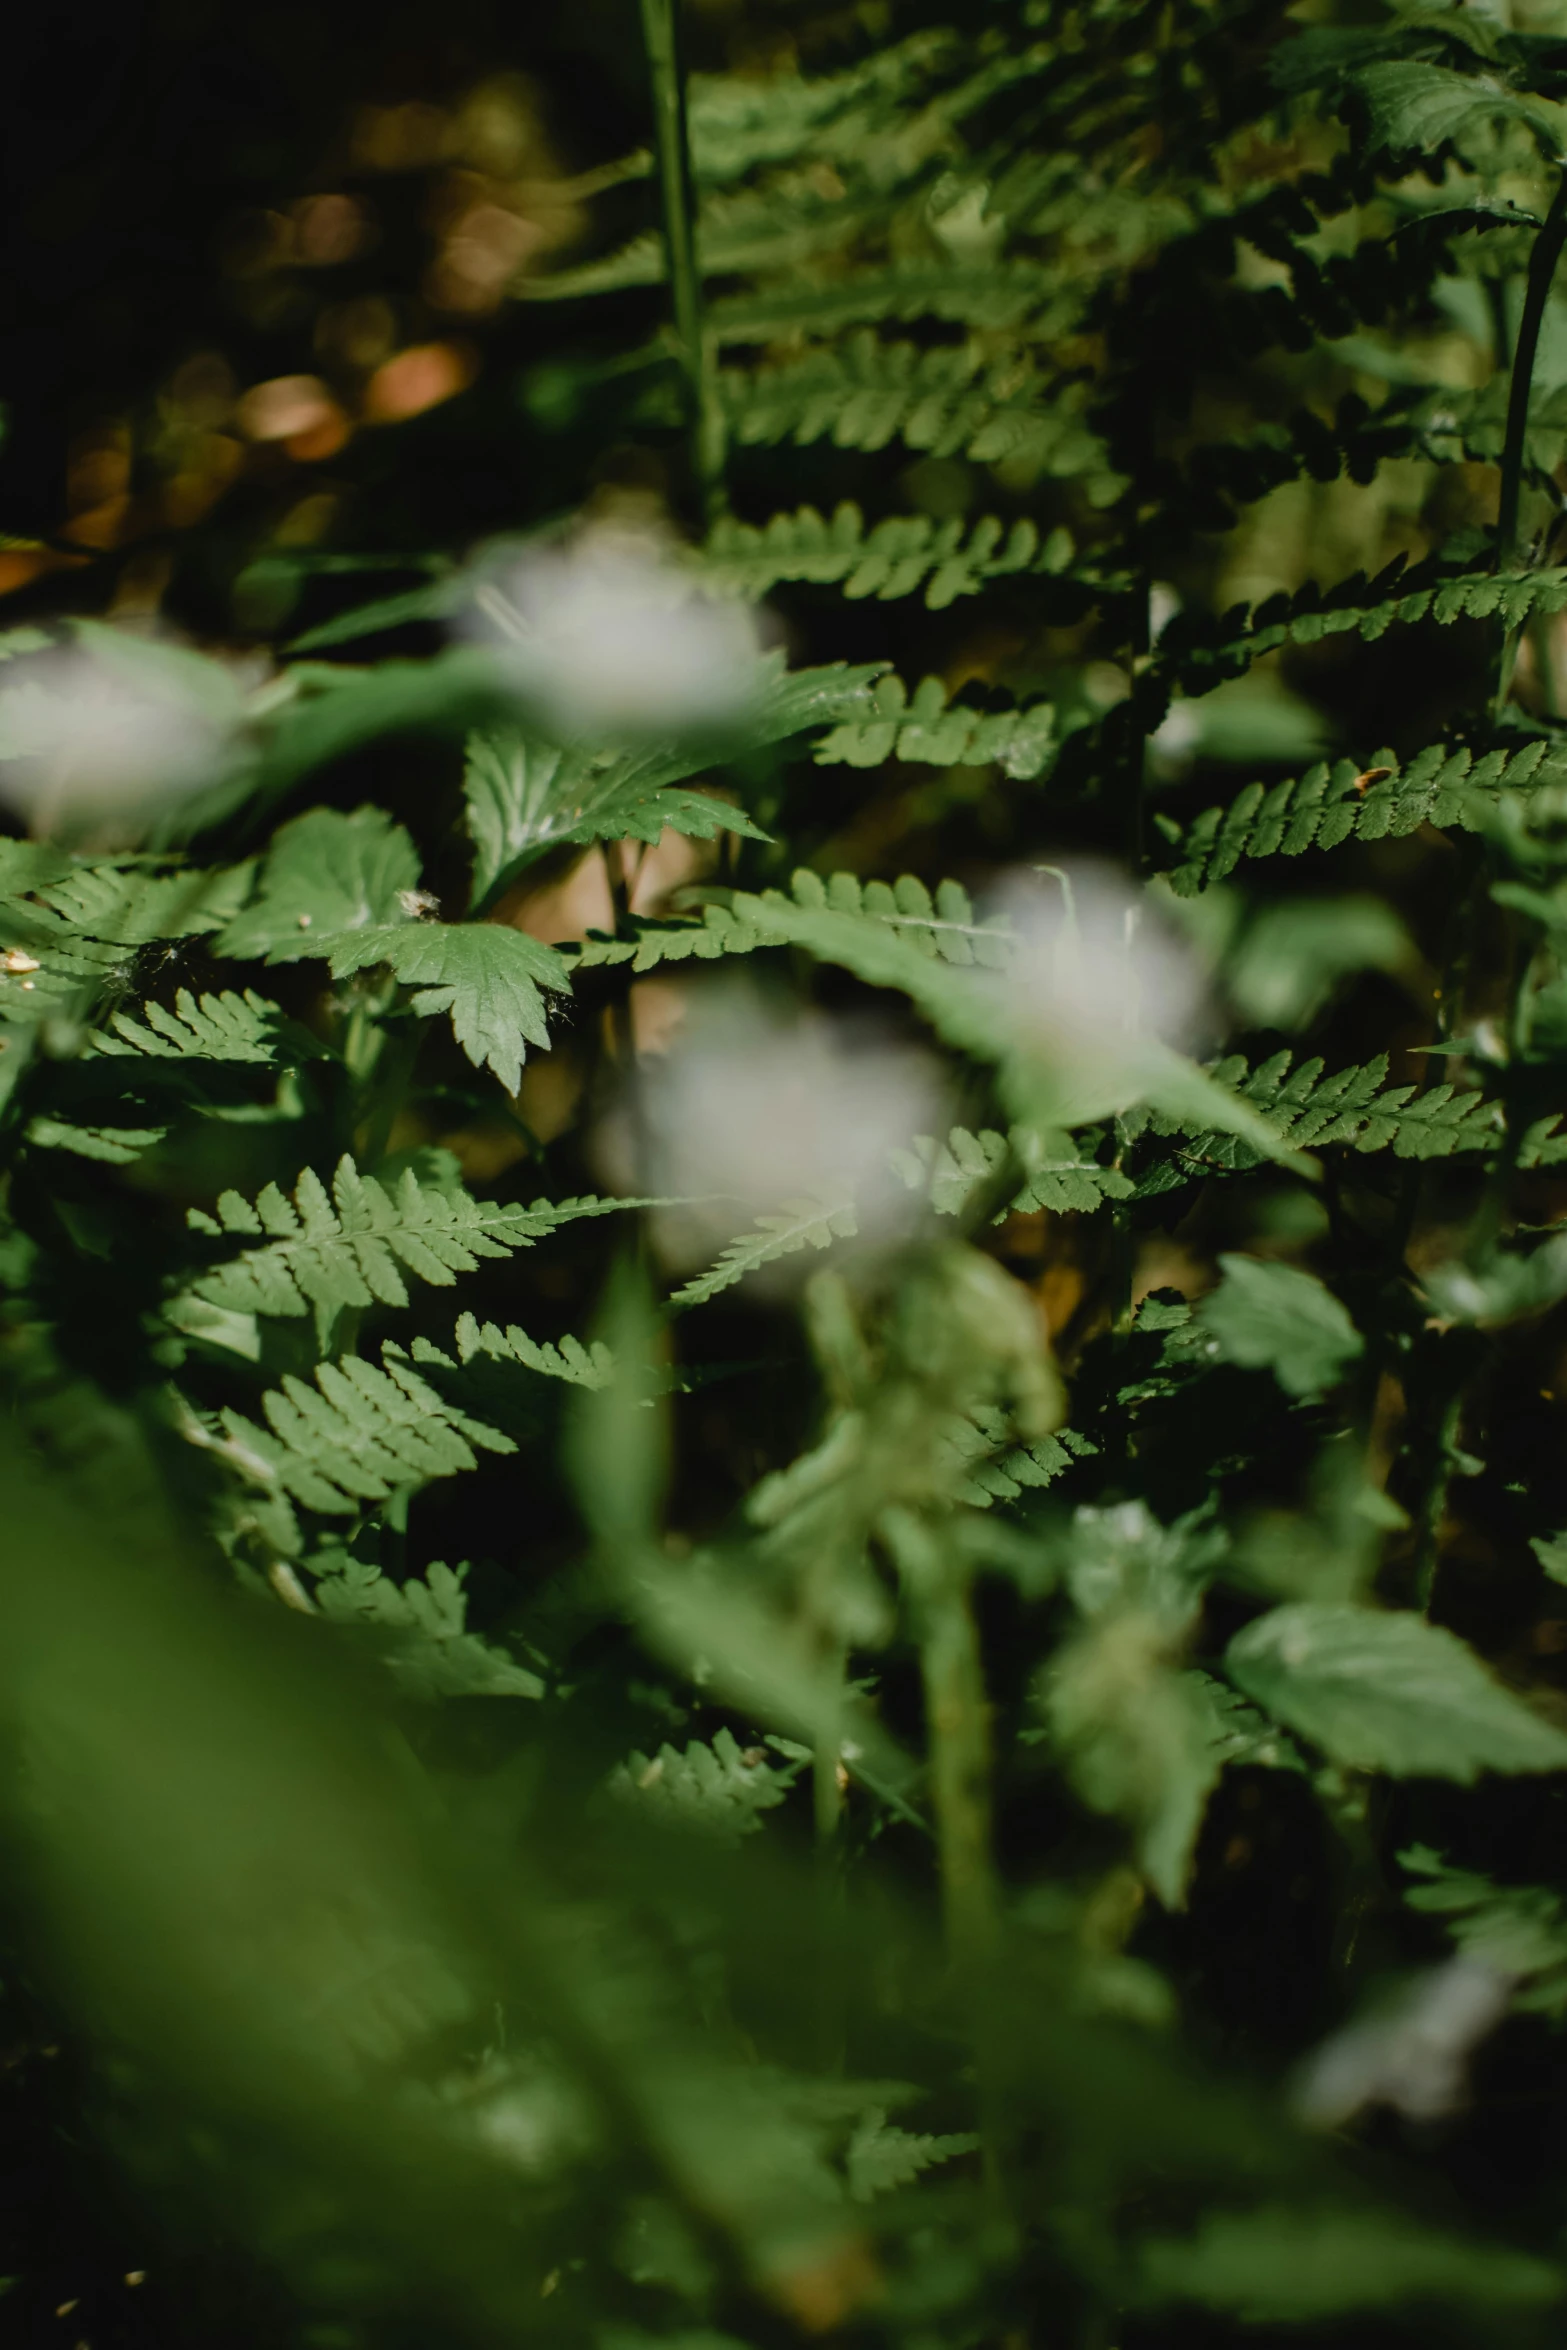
x: 1310, y: 1109
x: 952, y: 1171
x: 881, y: 2157
x: 997, y: 294
x: 351, y: 1248
x: 357, y: 1436
x: 942, y: 927
x: 720, y: 1789
x: 1331, y: 804
x: 227, y: 1027
x: 1195, y: 651
x: 112, y: 1146
x: 800, y: 1223
x: 895, y: 557
x: 487, y: 977
x: 926, y: 728
x: 1520, y: 1930
x: 867, y: 393
x: 984, y: 1463
x: 423, y: 1626
x: 127, y: 904
x: 592, y: 1365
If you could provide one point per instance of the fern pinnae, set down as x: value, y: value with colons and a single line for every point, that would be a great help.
x: 797, y: 1224
x: 1340, y: 801
x: 898, y: 556
x: 357, y: 1436
x: 231, y: 1026
x: 350, y: 1248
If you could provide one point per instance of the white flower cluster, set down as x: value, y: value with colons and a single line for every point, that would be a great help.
x: 753, y: 1108
x: 1414, y: 2058
x: 607, y: 636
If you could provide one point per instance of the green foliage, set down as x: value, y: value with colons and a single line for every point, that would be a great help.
x: 897, y: 556
x: 1384, y: 1692
x: 1277, y: 1318
x: 1119, y: 1445
x: 351, y: 1247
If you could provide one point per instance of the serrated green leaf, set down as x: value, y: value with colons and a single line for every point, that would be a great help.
x: 1385, y: 1692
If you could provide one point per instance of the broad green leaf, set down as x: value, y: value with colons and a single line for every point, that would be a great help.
x: 1274, y: 1317
x: 1384, y: 1692
x: 1413, y: 107
x: 1286, y: 2264
x: 487, y: 977
x: 326, y: 873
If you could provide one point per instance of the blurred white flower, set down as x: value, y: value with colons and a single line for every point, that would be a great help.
x: 1099, y: 981
x: 110, y: 728
x: 1415, y: 2057
x: 609, y: 637
x: 753, y: 1110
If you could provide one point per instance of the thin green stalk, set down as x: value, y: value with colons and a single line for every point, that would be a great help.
x: 1543, y: 260
x: 958, y: 1714
x: 677, y: 187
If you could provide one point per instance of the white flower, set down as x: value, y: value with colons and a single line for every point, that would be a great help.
x: 608, y: 637
x: 110, y: 728
x: 752, y: 1110
x: 1415, y: 2057
x: 1100, y: 981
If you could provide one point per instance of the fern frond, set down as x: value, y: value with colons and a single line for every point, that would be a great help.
x: 1312, y: 1110
x: 867, y: 393
x: 740, y: 124
x: 592, y: 1365
x: 799, y: 1223
x: 984, y: 1463
x: 357, y: 1436
x: 423, y: 1626
x: 881, y: 2157
x: 927, y: 729
x: 988, y: 295
x: 951, y: 1172
x: 1331, y: 804
x: 894, y: 557
x: 1197, y: 652
x: 350, y: 1249
x: 112, y: 1146
x: 943, y: 927
x: 720, y: 1789
x: 1520, y: 1930
x: 227, y: 1027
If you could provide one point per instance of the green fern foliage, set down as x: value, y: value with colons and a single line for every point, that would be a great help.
x: 899, y: 556
x: 925, y: 727
x: 332, y: 1252
x: 942, y: 926
x: 881, y: 2157
x: 357, y: 1435
x: 422, y: 1626
x: 589, y: 1366
x: 1338, y: 802
x: 953, y: 1171
x: 866, y: 394
x: 720, y: 1789
x: 1312, y: 1109
x: 232, y: 1026
x: 797, y: 1224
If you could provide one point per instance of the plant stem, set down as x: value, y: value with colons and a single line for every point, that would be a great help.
x: 1543, y: 259
x: 661, y: 32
